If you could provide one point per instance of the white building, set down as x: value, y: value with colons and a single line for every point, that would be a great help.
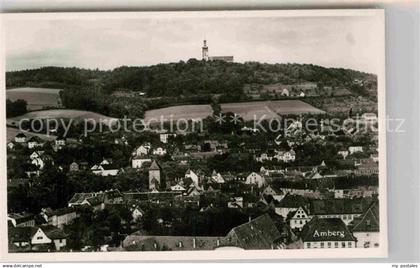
x: 255, y: 178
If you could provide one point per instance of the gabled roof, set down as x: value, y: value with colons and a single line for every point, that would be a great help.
x: 21, y: 234
x: 326, y: 229
x: 260, y: 233
x: 292, y: 201
x: 53, y: 232
x: 154, y: 166
x: 368, y: 221
x: 20, y: 135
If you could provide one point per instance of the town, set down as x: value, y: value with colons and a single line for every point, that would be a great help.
x: 232, y: 187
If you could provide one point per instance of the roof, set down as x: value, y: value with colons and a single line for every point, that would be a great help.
x: 260, y: 233
x: 21, y: 217
x: 53, y: 232
x: 339, y: 206
x: 21, y: 234
x: 326, y: 229
x: 154, y: 166
x: 20, y: 135
x: 148, y: 243
x: 368, y: 221
x: 292, y: 201
x: 59, y: 212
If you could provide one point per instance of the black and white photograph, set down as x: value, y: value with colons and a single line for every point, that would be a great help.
x: 233, y: 134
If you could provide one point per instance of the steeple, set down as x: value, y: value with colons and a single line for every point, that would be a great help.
x: 205, y: 50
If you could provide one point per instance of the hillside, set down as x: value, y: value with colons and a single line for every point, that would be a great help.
x: 183, y: 78
x: 133, y: 90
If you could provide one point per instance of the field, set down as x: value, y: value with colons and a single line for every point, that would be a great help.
x: 37, y: 98
x: 247, y: 110
x: 76, y: 115
x: 179, y: 112
x: 269, y: 109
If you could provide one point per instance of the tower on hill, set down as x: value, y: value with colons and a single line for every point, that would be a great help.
x: 205, y: 51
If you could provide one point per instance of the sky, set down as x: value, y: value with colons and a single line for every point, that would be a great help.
x: 330, y: 41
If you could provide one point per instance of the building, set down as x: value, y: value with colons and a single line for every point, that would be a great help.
x: 299, y: 218
x: 138, y: 161
x: 59, y: 217
x: 206, y: 57
x: 259, y: 233
x: 355, y: 149
x: 154, y: 176
x: 21, y: 219
x: 289, y: 203
x: 105, y: 170
x: 366, y: 227
x: 345, y: 209
x: 366, y: 167
x: 159, y: 151
x: 276, y: 193
x: 20, y: 138
x: 74, y: 167
x: 34, y: 142
x: 37, y: 238
x: 139, y: 242
x: 327, y: 233
x: 255, y: 179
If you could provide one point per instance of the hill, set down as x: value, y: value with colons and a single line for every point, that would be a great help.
x: 133, y: 90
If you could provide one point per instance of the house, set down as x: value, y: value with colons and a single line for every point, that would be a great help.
x: 11, y: 145
x: 142, y: 149
x: 177, y: 188
x: 35, y: 142
x: 217, y: 177
x: 105, y: 168
x: 139, y: 160
x: 40, y: 159
x: 159, y: 151
x: 136, y: 213
x: 259, y: 233
x: 366, y: 227
x: 366, y: 167
x: 288, y: 156
x: 275, y: 192
x: 299, y: 218
x: 355, y: 149
x: 20, y: 138
x: 345, y: 209
x: 236, y: 202
x: 301, y: 94
x: 327, y: 233
x: 21, y: 219
x: 289, y: 203
x: 59, y: 217
x: 164, y: 137
x: 193, y: 176
x: 74, y: 167
x: 60, y: 142
x: 255, y: 179
x: 285, y: 92
x: 343, y: 153
x: 97, y: 200
x: 37, y: 238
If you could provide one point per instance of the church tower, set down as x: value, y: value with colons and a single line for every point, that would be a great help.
x: 154, y: 176
x: 205, y: 51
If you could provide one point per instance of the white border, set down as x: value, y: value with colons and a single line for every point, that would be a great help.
x: 381, y: 251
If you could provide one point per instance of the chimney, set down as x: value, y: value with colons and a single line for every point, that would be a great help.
x: 194, y: 243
